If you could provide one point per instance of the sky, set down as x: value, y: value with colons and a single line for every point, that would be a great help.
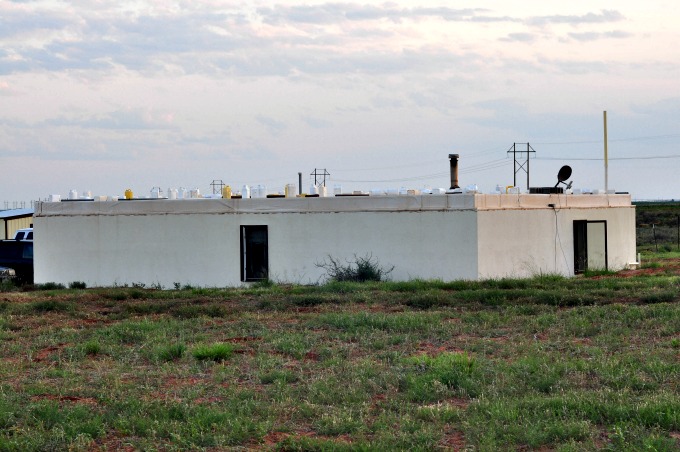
x: 101, y: 96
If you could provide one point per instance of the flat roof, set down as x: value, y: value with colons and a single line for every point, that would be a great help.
x: 400, y: 203
x: 15, y: 213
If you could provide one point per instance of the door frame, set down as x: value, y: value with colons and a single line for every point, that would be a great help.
x: 581, y: 249
x: 245, y: 229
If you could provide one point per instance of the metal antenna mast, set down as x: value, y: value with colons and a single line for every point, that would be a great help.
x: 318, y: 174
x: 521, y: 165
x: 217, y: 186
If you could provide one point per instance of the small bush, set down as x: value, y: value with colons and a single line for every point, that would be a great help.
x: 432, y: 377
x: 193, y: 311
x: 361, y: 269
x: 7, y: 285
x: 77, y: 285
x: 49, y: 286
x: 283, y: 376
x: 172, y: 352
x: 265, y: 283
x: 118, y: 296
x: 92, y: 348
x: 214, y: 352
x: 51, y: 306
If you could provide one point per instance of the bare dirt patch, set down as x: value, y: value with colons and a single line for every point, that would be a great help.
x: 46, y: 352
x: 454, y: 441
x: 66, y: 399
x: 666, y: 266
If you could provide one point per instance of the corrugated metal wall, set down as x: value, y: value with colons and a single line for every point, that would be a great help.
x: 9, y: 227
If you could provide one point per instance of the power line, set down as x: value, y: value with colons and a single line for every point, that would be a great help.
x: 401, y: 179
x: 490, y: 167
x: 420, y: 163
x: 492, y: 164
x: 651, y: 157
x: 642, y: 138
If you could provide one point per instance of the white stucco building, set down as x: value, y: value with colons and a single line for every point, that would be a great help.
x: 226, y: 242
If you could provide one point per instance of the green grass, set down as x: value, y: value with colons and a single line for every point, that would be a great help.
x: 214, y: 352
x: 547, y: 363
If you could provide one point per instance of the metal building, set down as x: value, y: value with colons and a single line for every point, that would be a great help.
x: 13, y: 220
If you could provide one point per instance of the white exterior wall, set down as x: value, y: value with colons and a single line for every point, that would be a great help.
x: 427, y: 245
x: 444, y: 237
x: 521, y: 243
x: 103, y: 246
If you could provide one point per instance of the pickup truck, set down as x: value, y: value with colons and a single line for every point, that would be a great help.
x: 17, y: 255
x: 24, y: 234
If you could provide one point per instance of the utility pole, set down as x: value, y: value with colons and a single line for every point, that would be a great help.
x: 521, y: 165
x: 606, y: 156
x: 318, y: 174
x: 217, y: 186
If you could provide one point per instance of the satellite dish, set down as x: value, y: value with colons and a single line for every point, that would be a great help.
x: 564, y: 174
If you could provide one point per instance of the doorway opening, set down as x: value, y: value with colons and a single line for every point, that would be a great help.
x: 590, y: 245
x: 254, y: 253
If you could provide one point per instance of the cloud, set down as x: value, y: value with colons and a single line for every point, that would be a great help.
x: 293, y: 40
x: 6, y: 89
x: 130, y: 119
x: 594, y: 36
x: 274, y: 126
x: 604, y: 16
x: 316, y: 123
x: 23, y: 21
x: 342, y: 12
x: 519, y: 37
x: 47, y: 40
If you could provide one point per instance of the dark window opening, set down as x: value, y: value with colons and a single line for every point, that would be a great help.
x: 590, y: 245
x: 27, y: 252
x: 254, y: 253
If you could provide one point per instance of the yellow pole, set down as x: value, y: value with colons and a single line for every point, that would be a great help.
x: 606, y: 156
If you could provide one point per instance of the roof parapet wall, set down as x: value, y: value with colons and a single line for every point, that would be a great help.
x: 408, y: 203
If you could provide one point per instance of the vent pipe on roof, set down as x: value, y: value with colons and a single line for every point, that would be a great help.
x: 454, y: 170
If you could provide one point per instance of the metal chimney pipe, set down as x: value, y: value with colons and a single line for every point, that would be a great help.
x: 454, y: 170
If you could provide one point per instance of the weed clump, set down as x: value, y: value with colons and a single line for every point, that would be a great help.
x: 171, y: 352
x: 49, y: 286
x: 214, y: 352
x: 92, y: 348
x: 361, y: 269
x: 432, y: 378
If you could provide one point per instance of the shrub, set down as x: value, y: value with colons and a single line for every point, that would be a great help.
x: 361, y: 269
x: 264, y: 284
x: 92, y: 348
x: 171, y: 352
x: 49, y: 286
x: 214, y: 352
x: 431, y: 378
x: 7, y: 285
x: 51, y: 306
x: 77, y: 285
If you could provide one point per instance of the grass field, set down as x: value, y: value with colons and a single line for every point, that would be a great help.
x: 543, y: 364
